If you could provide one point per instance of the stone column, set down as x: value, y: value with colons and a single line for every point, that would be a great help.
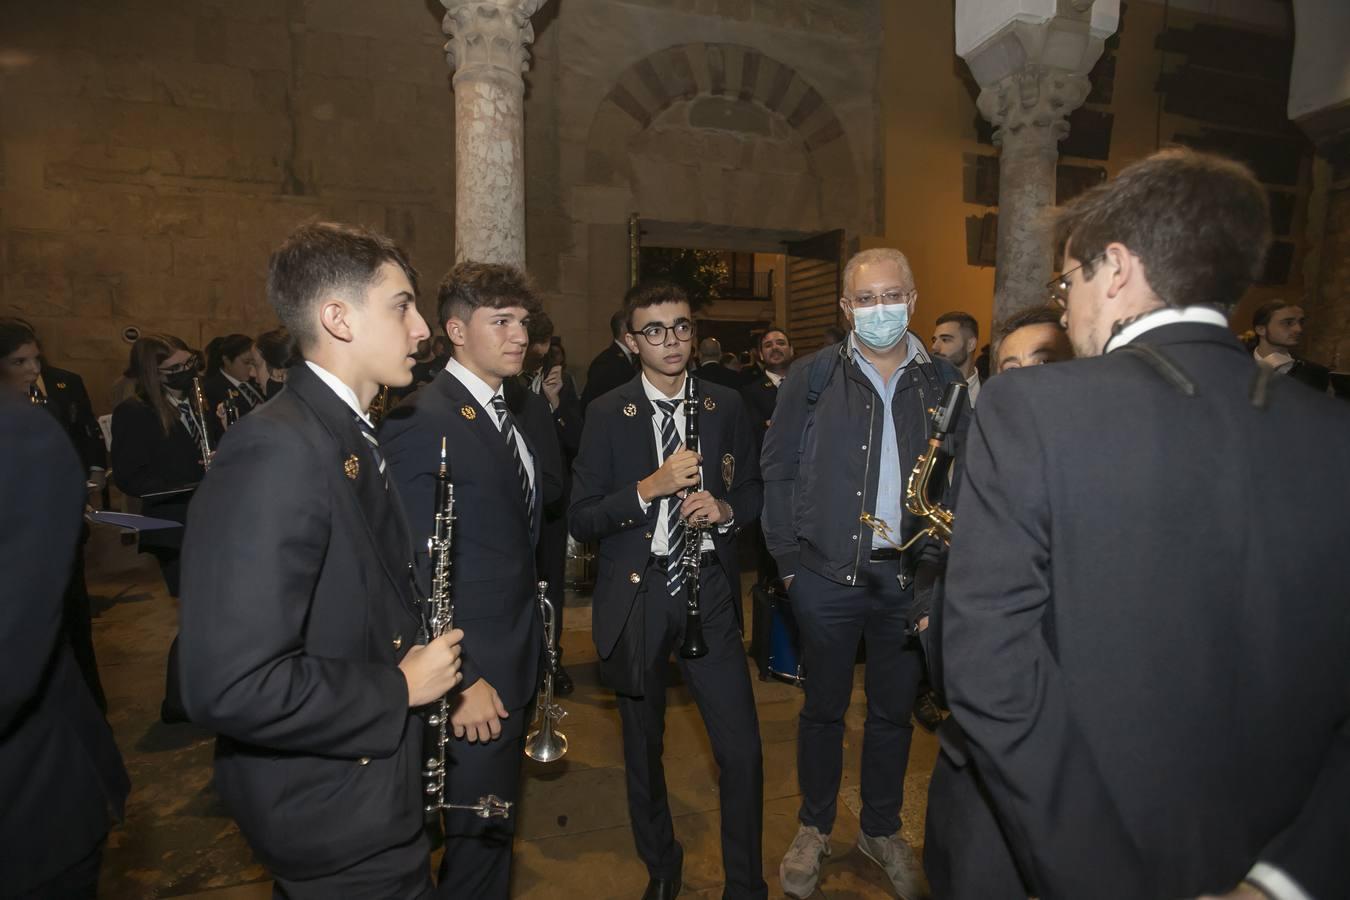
x: 487, y: 51
x: 1031, y: 65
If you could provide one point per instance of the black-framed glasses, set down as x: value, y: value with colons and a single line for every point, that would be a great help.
x: 1058, y: 288
x: 189, y: 366
x: 656, y: 333
x: 889, y: 298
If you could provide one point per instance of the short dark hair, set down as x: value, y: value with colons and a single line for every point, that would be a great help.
x: 15, y: 333
x: 278, y: 349
x: 1036, y: 315
x: 650, y: 293
x: 1199, y: 223
x: 772, y: 329
x: 964, y: 319
x: 1264, y: 313
x: 474, y: 285
x: 322, y: 258
x: 539, y: 327
x: 618, y: 322
x: 231, y: 346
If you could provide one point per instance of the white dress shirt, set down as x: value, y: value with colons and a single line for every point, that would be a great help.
x: 339, y: 387
x: 775, y: 380
x: 973, y: 387
x: 483, y: 393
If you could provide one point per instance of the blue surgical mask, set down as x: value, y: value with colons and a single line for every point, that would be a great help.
x: 882, y: 326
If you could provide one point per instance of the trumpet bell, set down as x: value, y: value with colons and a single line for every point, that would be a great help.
x: 546, y: 744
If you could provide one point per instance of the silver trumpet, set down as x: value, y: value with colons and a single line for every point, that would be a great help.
x: 546, y: 743
x: 441, y: 620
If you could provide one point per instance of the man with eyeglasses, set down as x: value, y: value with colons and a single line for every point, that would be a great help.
x: 1125, y: 623
x: 636, y: 491
x: 847, y: 429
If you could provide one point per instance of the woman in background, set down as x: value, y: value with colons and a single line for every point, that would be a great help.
x: 273, y: 354
x: 228, y: 384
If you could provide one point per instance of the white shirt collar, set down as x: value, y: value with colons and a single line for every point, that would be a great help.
x: 775, y: 379
x: 1279, y: 360
x: 654, y: 393
x: 339, y: 387
x: 1204, y: 315
x: 481, y: 391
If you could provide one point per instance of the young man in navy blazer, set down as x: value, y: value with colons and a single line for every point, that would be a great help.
x: 299, y: 638
x: 504, y: 471
x: 636, y: 488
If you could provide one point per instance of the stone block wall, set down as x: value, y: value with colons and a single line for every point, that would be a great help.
x: 153, y: 152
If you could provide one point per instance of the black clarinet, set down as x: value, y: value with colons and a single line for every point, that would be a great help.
x: 693, y: 646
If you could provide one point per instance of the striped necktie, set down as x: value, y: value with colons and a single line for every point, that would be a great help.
x: 670, y: 442
x: 189, y: 420
x: 252, y: 393
x: 368, y: 433
x: 508, y: 430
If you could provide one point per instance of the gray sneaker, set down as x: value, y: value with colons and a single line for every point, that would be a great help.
x: 897, y: 858
x: 799, y: 872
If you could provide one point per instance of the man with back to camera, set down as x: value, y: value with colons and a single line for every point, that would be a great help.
x: 299, y: 636
x: 1124, y: 623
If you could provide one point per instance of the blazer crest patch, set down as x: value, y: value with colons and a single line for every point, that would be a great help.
x: 709, y: 404
x: 468, y: 412
x: 61, y: 385
x: 351, y: 467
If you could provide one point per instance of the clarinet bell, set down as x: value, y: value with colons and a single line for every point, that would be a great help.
x: 693, y: 646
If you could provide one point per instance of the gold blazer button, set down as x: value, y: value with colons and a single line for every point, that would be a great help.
x: 634, y: 578
x: 398, y: 642
x: 363, y: 761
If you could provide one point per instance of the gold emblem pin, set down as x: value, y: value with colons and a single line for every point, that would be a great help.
x: 61, y: 385
x: 728, y: 470
x: 634, y: 578
x: 630, y: 410
x: 468, y: 412
x: 709, y: 404
x: 352, y: 467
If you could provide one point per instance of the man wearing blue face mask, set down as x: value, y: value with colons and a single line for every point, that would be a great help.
x: 849, y: 424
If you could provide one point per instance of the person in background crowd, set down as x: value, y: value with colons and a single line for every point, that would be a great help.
x: 275, y: 352
x: 955, y: 338
x: 229, y: 384
x: 1033, y: 337
x: 1279, y: 332
x: 775, y: 350
x: 612, y: 366
x: 61, y: 777
x: 711, y: 366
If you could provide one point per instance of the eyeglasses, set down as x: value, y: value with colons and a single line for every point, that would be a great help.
x: 656, y: 333
x: 189, y: 366
x: 890, y: 298
x: 1058, y: 288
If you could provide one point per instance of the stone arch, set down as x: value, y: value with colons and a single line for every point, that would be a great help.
x: 755, y: 143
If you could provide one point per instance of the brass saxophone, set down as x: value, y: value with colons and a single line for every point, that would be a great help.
x: 441, y: 620
x: 917, y: 501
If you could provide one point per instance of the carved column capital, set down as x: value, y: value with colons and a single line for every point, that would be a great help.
x: 493, y: 33
x: 1035, y: 96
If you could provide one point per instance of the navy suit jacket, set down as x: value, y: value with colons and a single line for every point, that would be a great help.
x: 618, y: 449
x: 293, y: 625
x: 493, y: 575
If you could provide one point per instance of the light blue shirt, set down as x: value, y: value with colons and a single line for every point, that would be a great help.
x: 890, y: 482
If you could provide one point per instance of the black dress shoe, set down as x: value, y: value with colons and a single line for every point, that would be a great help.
x: 928, y: 711
x: 562, y: 683
x: 662, y: 889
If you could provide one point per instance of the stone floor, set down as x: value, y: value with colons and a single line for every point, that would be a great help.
x: 573, y: 838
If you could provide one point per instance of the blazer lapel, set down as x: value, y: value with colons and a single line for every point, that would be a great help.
x: 493, y: 441
x: 640, y: 428
x: 362, y: 476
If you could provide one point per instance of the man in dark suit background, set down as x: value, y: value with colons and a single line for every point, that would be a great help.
x: 504, y: 470
x: 1124, y: 622
x: 612, y: 366
x: 61, y: 776
x: 300, y: 628
x: 761, y: 395
x: 634, y: 493
x: 710, y: 368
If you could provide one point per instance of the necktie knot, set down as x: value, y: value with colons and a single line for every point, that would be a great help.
x: 668, y: 407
